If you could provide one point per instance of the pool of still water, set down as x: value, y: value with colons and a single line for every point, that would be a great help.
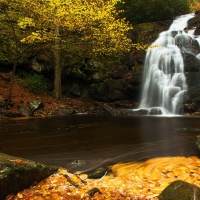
x: 100, y: 140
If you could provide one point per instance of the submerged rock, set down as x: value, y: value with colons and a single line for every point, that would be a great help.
x: 97, y: 173
x: 78, y: 165
x: 155, y: 111
x: 180, y: 190
x: 17, y: 174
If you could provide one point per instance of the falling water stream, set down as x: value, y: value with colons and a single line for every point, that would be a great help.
x: 164, y: 81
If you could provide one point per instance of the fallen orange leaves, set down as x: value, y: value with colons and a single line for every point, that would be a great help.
x: 21, y: 95
x: 129, y: 181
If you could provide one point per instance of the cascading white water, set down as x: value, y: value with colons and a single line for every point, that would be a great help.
x: 164, y: 82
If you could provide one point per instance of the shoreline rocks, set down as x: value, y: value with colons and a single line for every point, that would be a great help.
x: 17, y: 174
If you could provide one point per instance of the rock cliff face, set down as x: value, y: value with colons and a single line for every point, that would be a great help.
x: 192, y: 70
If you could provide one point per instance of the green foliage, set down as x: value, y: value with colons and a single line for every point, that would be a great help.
x: 138, y: 70
x: 141, y: 11
x: 33, y: 81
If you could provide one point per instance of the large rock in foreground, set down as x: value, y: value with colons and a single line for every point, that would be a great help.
x: 17, y: 174
x: 180, y: 190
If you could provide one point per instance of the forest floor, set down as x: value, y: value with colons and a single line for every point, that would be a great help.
x: 22, y: 95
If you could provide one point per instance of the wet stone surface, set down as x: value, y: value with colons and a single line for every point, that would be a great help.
x: 17, y: 174
x: 97, y: 173
x: 180, y: 190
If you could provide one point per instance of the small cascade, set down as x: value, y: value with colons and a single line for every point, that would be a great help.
x: 164, y: 82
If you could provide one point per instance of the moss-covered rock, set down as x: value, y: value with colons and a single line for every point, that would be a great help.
x: 180, y: 190
x: 17, y: 174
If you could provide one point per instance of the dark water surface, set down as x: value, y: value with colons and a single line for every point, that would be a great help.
x: 98, y: 139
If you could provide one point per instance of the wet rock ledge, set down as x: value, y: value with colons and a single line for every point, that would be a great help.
x: 36, y: 108
x: 16, y: 174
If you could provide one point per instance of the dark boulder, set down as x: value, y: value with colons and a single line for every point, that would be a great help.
x: 97, y: 173
x: 191, y: 62
x: 155, y: 111
x: 195, y: 23
x: 17, y: 174
x: 24, y: 111
x: 192, y: 104
x: 187, y: 44
x: 180, y: 190
x: 193, y: 80
x: 31, y: 107
x: 93, y: 191
x: 35, y: 104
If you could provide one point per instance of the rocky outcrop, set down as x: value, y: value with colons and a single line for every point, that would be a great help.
x: 17, y: 174
x: 195, y: 23
x: 192, y: 70
x: 31, y: 107
x: 93, y: 110
x: 180, y: 190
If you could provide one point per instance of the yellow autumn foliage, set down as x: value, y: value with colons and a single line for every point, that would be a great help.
x: 95, y: 23
x: 194, y: 5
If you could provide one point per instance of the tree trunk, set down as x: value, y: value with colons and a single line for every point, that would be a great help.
x: 57, y: 67
x: 11, y: 82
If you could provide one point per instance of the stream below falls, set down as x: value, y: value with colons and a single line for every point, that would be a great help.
x: 100, y: 140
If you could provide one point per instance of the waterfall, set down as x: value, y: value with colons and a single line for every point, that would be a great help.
x: 164, y: 82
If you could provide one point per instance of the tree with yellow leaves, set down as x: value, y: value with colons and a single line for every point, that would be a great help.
x: 12, y: 49
x: 194, y: 5
x: 92, y: 27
